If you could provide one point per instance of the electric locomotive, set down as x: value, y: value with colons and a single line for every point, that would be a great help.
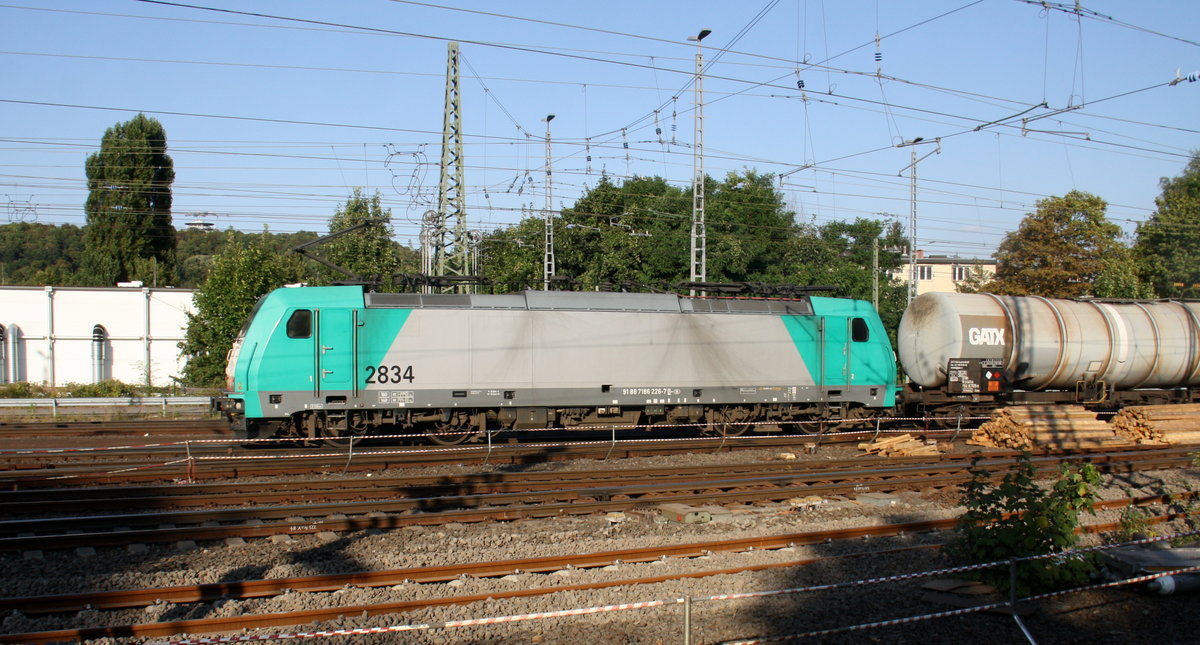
x: 338, y: 362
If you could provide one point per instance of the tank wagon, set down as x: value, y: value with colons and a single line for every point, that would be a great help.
x: 965, y: 353
x: 337, y: 362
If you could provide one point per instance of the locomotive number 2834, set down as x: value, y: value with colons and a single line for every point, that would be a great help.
x: 389, y: 373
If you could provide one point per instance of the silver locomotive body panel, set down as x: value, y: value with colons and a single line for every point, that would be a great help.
x: 529, y: 358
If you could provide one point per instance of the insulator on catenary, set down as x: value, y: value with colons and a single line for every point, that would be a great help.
x: 1191, y: 78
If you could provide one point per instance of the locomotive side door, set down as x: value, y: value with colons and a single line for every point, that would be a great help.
x: 335, y: 350
x: 835, y: 351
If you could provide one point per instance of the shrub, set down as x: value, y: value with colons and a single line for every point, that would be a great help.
x: 23, y: 390
x: 1017, y: 518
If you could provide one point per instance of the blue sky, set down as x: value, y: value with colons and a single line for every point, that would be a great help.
x: 273, y: 119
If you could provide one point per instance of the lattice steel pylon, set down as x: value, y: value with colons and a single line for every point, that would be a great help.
x: 445, y: 245
x: 699, y: 244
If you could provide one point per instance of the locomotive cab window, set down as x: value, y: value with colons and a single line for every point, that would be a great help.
x: 859, y: 332
x: 300, y: 324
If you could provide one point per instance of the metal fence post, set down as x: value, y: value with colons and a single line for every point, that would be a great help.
x: 687, y: 620
x: 1012, y: 600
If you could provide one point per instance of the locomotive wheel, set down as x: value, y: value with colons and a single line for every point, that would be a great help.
x: 854, y: 417
x: 728, y: 421
x: 453, y: 432
x: 811, y: 426
x: 344, y: 441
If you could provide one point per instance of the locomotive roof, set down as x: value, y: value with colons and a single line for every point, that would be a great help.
x: 589, y: 301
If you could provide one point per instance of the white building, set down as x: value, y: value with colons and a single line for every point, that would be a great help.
x: 944, y: 273
x: 60, y: 335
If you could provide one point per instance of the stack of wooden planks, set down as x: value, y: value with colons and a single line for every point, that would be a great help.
x: 1046, y: 426
x: 1159, y: 423
x: 904, y: 445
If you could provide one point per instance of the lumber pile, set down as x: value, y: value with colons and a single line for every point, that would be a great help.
x: 1173, y: 424
x: 1046, y: 427
x: 904, y: 445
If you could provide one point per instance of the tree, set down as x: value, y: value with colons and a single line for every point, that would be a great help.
x: 639, y: 232
x: 1060, y: 251
x: 242, y: 272
x: 842, y: 255
x: 1168, y: 244
x: 39, y: 254
x: 368, y: 251
x: 128, y: 234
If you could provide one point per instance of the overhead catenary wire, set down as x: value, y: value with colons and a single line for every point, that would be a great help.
x: 600, y: 146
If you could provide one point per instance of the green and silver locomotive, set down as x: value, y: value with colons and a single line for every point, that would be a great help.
x: 338, y: 362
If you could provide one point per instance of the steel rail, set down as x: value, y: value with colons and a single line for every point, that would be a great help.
x: 203, y: 593
x: 208, y: 495
x: 131, y: 428
x: 265, y: 521
x: 179, y: 496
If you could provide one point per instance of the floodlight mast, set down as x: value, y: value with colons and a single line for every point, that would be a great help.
x: 699, y: 260
x: 548, y: 259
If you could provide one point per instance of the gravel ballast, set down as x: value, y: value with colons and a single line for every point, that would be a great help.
x: 1114, y: 616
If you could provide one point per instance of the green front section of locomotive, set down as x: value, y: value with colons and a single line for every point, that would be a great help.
x: 298, y: 340
x: 845, y: 345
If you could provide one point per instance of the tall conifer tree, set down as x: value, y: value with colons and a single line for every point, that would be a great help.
x: 129, y: 235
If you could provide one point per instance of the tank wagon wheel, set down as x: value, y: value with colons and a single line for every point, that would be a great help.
x: 949, y: 417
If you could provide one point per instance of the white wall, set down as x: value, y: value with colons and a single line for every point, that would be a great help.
x: 144, y: 327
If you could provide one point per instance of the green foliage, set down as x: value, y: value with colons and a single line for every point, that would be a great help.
x: 638, y: 233
x: 1017, y: 518
x: 39, y: 254
x: 104, y: 389
x: 241, y: 273
x: 110, y: 388
x: 841, y: 254
x: 24, y: 390
x: 1122, y: 277
x: 43, y: 254
x: 1134, y: 524
x: 1061, y: 251
x: 975, y: 282
x: 368, y: 252
x: 129, y: 207
x: 1168, y: 243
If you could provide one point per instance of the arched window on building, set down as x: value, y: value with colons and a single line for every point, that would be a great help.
x: 16, y: 354
x: 101, y: 356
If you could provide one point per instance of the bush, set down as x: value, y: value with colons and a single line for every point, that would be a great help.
x: 23, y: 390
x: 111, y: 388
x: 104, y: 389
x: 1017, y: 518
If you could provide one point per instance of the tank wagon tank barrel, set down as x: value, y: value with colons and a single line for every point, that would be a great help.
x: 1040, y: 344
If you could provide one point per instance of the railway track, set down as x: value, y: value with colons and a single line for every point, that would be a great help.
x: 209, y: 428
x: 38, y: 466
x: 322, y: 506
x: 250, y: 589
